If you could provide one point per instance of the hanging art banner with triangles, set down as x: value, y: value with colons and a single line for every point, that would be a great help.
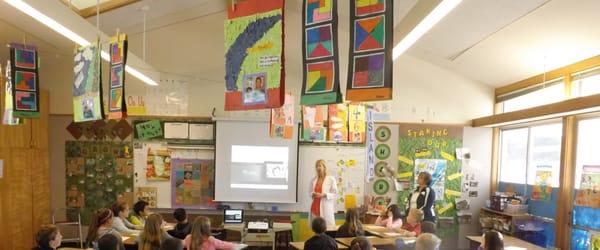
x: 25, y: 81
x: 254, y: 55
x: 87, y: 84
x: 371, y: 43
x: 321, y: 83
x: 117, y: 109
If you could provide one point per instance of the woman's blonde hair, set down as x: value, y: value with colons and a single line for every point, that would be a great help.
x: 153, y: 234
x: 200, y: 231
x: 321, y: 162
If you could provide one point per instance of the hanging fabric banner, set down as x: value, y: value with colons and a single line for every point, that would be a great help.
x: 314, y: 123
x: 25, y: 81
x: 117, y: 107
x: 87, y: 84
x: 254, y: 55
x: 8, y: 118
x: 282, y: 119
x: 371, y: 43
x: 321, y: 81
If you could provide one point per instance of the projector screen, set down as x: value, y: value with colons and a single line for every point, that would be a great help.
x: 253, y: 167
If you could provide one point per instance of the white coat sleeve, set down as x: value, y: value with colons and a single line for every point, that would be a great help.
x: 331, y: 193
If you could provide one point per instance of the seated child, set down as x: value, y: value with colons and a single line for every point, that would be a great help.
x: 352, y: 227
x: 427, y: 241
x: 320, y: 241
x: 183, y: 228
x: 141, y: 210
x: 360, y: 243
x: 492, y: 240
x: 391, y: 219
x: 108, y: 242
x: 171, y: 244
x: 412, y: 228
x: 201, y: 239
x: 48, y: 238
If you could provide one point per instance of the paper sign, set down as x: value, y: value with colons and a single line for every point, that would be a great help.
x: 201, y: 131
x: 452, y: 193
x: 447, y: 156
x: 1, y: 169
x: 446, y: 208
x: 405, y: 175
x: 422, y: 154
x: 405, y: 160
x: 454, y: 176
x: 350, y: 201
x: 148, y: 130
x: 176, y: 130
x: 351, y: 163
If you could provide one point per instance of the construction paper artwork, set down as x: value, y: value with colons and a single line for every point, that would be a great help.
x: 369, y: 71
x: 282, y: 119
x: 25, y: 80
x: 369, y: 34
x: 87, y: 84
x: 254, y: 62
x: 192, y: 182
x: 25, y: 58
x: 320, y: 77
x: 116, y: 99
x: 338, y: 122
x: 116, y: 51
x: 357, y: 118
x: 158, y: 166
x: 116, y: 76
x: 25, y: 100
x: 319, y: 42
x: 313, y: 123
x: 318, y: 11
x: 366, y: 7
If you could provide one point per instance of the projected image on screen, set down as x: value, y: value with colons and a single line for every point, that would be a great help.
x: 259, y: 167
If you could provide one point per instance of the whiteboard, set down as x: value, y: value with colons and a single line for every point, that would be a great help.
x: 351, y: 180
x: 163, y: 197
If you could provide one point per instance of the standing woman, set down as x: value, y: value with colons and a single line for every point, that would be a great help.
x: 423, y: 198
x: 323, y: 192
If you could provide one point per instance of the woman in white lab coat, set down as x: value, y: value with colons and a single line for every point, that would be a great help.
x: 323, y: 191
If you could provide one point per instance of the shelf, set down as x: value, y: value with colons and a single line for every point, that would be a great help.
x: 505, y: 214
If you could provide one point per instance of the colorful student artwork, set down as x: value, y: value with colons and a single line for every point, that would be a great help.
x: 594, y: 240
x: 254, y: 61
x: 437, y: 169
x: 319, y: 42
x: 192, y: 183
x: 338, y: 122
x: 7, y: 117
x: 314, y: 123
x: 87, y: 84
x: 98, y: 174
x: 370, y: 72
x: 24, y: 81
x: 147, y: 194
x: 149, y: 130
x: 282, y: 119
x: 366, y: 7
x: 588, y: 194
x: 542, y: 188
x: 158, y: 164
x: 318, y: 11
x: 321, y: 84
x: 356, y: 122
x: 117, y: 107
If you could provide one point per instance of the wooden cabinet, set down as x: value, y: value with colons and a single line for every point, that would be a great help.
x: 25, y: 185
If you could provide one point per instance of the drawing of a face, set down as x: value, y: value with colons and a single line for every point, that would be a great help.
x: 159, y: 165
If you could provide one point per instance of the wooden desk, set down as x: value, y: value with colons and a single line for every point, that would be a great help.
x: 300, y: 245
x: 375, y: 241
x: 131, y: 239
x: 380, y: 231
x: 509, y: 243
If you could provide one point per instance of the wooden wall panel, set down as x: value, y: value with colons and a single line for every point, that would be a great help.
x: 40, y: 128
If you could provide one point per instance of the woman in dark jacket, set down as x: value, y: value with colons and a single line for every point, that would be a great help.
x: 423, y: 197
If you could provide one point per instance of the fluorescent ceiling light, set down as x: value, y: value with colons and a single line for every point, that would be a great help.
x: 425, y: 25
x: 51, y: 23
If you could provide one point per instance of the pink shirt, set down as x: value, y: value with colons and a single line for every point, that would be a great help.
x: 211, y: 243
x: 389, y: 223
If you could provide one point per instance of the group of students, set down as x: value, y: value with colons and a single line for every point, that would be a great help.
x: 108, y: 226
x: 391, y: 219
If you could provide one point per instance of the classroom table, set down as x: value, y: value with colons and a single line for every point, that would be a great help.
x: 509, y: 243
x: 380, y: 231
x: 300, y: 245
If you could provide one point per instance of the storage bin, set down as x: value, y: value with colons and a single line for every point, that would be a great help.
x: 516, y: 209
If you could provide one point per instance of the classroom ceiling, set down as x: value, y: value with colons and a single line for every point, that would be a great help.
x: 494, y: 42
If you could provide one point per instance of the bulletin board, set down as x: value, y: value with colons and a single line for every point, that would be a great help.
x: 164, y: 178
x: 345, y: 163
